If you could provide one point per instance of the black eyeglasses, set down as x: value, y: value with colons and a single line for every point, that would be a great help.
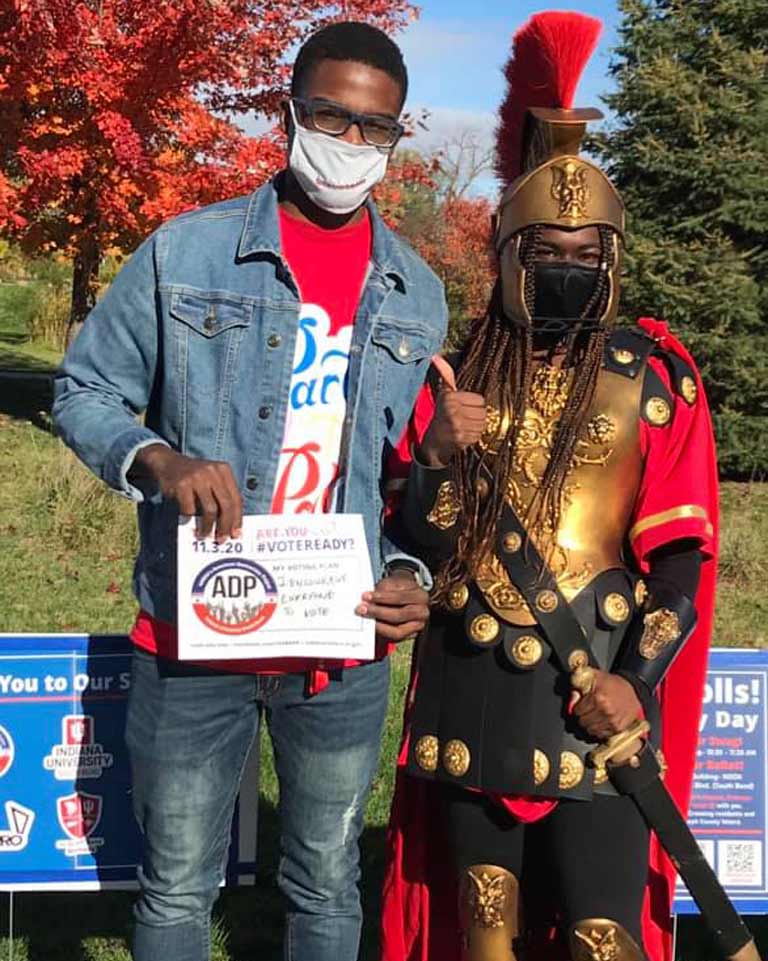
x: 331, y: 118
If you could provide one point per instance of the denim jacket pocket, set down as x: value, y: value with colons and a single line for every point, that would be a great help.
x: 210, y: 314
x: 402, y: 356
x: 207, y: 330
x: 405, y: 341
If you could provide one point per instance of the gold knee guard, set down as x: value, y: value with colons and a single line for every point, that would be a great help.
x: 488, y: 904
x: 598, y: 939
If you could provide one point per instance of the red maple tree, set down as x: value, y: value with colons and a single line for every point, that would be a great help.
x: 458, y: 248
x: 116, y: 114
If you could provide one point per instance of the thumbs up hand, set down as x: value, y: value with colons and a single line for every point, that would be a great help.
x: 458, y: 421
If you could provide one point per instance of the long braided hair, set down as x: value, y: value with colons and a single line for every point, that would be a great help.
x: 498, y: 363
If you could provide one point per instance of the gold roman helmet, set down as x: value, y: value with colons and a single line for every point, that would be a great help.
x: 539, y: 139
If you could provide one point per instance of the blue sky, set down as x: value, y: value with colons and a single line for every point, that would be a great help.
x: 455, y: 52
x: 457, y: 48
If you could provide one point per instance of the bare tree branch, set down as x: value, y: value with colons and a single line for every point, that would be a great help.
x: 464, y: 159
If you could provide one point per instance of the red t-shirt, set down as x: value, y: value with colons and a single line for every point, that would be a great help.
x: 329, y: 267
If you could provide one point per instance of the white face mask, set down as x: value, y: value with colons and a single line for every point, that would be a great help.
x: 336, y: 175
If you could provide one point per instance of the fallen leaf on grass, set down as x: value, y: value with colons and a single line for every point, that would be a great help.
x: 113, y: 588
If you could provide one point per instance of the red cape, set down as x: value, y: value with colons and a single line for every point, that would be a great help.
x: 419, y: 911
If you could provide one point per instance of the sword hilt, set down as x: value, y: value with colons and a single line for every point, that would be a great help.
x: 619, y: 748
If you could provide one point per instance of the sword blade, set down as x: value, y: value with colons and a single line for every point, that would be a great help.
x: 642, y: 782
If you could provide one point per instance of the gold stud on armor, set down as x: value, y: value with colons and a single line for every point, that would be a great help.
x: 488, y: 909
x: 641, y: 593
x: 599, y: 939
x: 622, y: 355
x: 689, y: 390
x: 546, y: 601
x: 427, y: 752
x: 541, y: 767
x: 571, y: 770
x: 616, y: 608
x: 457, y: 597
x: 512, y: 542
x: 484, y: 629
x: 658, y: 411
x: 456, y: 758
x: 526, y: 650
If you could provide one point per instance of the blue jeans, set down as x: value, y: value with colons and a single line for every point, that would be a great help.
x: 189, y: 732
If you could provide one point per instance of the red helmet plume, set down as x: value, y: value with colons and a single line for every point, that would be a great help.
x: 549, y: 54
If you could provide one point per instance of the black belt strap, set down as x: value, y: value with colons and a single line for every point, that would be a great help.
x: 531, y: 575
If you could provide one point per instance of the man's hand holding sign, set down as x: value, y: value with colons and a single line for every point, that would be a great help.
x: 207, y: 490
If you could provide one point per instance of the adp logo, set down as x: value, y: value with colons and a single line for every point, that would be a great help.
x: 7, y: 751
x: 234, y: 596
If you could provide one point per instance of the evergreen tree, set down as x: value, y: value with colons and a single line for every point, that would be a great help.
x: 688, y: 152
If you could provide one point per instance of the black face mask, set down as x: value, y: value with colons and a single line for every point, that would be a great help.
x: 562, y: 291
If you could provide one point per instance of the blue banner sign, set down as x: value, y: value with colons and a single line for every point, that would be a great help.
x: 730, y: 797
x: 65, y: 805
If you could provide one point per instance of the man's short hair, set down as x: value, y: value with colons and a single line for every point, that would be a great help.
x: 358, y: 42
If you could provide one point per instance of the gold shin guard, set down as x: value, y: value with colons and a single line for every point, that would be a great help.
x: 488, y: 904
x: 598, y: 939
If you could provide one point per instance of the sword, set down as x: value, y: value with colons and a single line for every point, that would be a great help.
x: 634, y: 770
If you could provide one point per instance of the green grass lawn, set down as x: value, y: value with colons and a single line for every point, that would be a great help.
x: 66, y: 548
x: 17, y: 351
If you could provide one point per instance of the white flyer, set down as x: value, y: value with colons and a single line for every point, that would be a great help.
x: 288, y: 588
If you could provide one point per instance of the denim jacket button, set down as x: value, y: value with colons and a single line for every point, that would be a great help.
x: 403, y: 349
x: 264, y: 412
x: 274, y: 340
x: 252, y: 483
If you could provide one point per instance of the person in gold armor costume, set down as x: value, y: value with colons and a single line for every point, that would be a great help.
x: 559, y: 478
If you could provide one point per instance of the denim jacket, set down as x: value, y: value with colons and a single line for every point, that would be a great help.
x: 198, y: 332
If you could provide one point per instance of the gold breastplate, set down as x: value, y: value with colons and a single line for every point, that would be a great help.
x: 599, y: 493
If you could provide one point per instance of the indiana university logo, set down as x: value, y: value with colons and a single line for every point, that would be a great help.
x: 78, y: 756
x: 79, y: 814
x: 78, y: 729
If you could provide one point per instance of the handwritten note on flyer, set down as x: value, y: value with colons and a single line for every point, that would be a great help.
x: 288, y: 588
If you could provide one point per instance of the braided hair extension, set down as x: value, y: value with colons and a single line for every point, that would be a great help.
x: 498, y: 363
x: 586, y: 357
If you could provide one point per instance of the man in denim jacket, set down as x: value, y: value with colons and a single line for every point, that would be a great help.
x: 276, y: 343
